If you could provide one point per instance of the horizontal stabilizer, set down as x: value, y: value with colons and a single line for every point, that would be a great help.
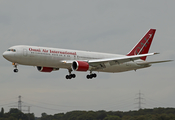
x: 149, y: 63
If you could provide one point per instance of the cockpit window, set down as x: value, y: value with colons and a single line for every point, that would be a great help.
x: 13, y: 50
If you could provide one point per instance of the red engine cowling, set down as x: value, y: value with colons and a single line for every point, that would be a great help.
x: 44, y: 69
x: 80, y: 66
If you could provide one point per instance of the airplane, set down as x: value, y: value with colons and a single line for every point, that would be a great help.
x: 51, y: 59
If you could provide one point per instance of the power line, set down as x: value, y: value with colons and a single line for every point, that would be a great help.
x: 8, y: 104
x: 43, y: 107
x: 52, y: 103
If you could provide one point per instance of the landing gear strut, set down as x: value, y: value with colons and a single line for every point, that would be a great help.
x: 70, y: 76
x: 92, y: 75
x: 15, y: 66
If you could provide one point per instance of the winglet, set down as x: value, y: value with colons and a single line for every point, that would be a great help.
x: 142, y: 47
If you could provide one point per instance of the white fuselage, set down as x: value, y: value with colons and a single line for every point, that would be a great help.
x: 56, y: 58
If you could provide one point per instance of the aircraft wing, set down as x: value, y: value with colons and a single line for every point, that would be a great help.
x: 121, y: 59
x: 102, y: 63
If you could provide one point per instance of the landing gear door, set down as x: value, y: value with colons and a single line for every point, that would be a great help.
x: 24, y: 52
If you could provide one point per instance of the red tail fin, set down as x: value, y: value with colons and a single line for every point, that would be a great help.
x: 142, y: 47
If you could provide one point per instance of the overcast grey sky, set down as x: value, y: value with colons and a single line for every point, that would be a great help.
x: 110, y: 26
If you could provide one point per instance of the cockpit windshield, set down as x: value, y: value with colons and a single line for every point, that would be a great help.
x: 13, y: 50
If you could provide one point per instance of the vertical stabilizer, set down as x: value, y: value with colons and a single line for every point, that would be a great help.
x: 142, y: 47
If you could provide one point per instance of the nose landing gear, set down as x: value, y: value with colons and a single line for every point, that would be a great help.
x: 15, y: 66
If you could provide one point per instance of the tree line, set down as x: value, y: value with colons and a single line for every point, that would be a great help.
x: 142, y: 114
x: 15, y: 114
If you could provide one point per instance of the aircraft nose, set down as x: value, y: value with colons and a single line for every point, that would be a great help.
x: 8, y: 55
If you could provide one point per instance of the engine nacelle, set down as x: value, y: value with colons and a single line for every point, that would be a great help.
x: 80, y: 66
x: 46, y: 69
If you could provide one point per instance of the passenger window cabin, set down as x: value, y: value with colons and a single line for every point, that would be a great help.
x: 13, y: 50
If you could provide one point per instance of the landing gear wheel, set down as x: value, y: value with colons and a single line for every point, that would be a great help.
x: 89, y: 76
x: 94, y: 75
x: 15, y: 70
x: 68, y: 77
x: 73, y: 75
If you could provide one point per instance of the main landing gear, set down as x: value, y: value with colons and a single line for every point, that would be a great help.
x: 92, y: 75
x: 15, y: 66
x: 70, y: 76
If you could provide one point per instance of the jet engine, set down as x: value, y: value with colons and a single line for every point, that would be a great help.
x: 80, y: 66
x: 46, y: 69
